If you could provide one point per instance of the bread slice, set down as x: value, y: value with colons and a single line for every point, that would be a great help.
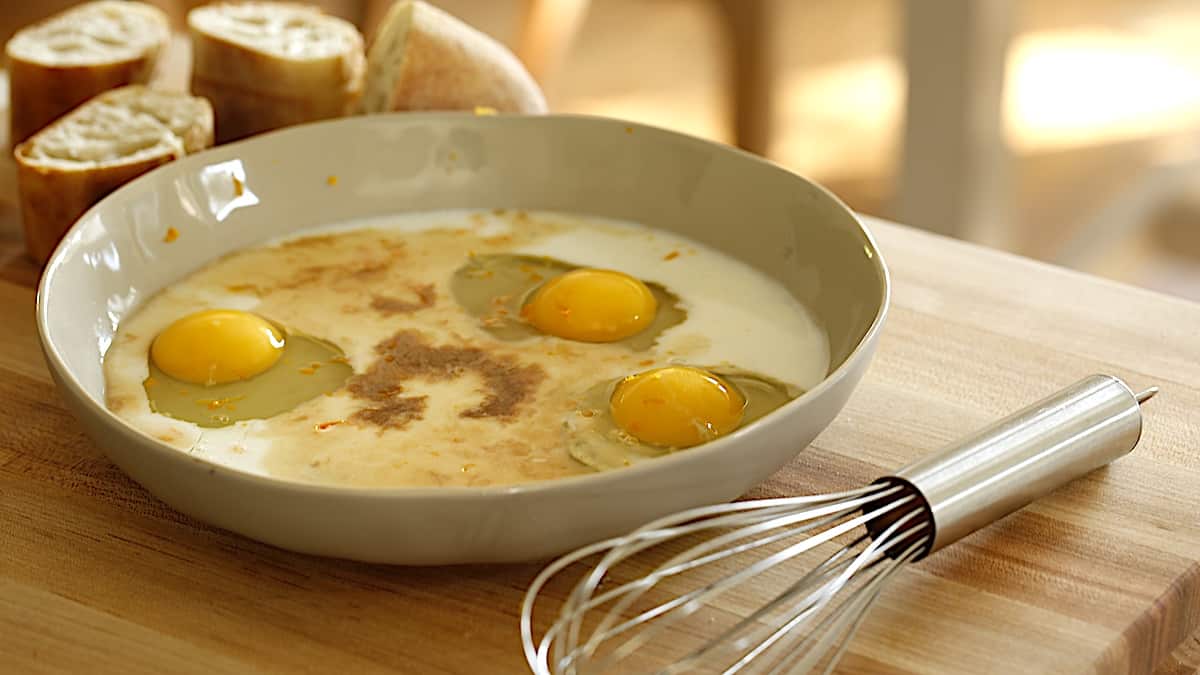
x: 70, y: 165
x: 70, y: 57
x: 266, y: 65
x: 425, y: 59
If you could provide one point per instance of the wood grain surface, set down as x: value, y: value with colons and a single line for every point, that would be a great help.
x: 1101, y: 577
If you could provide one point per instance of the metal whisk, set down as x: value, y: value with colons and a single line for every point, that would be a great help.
x: 608, y: 624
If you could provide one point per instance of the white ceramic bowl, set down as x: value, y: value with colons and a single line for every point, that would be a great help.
x: 114, y: 258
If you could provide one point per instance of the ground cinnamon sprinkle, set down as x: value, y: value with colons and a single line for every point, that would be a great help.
x: 389, y: 305
x: 332, y: 274
x: 408, y: 355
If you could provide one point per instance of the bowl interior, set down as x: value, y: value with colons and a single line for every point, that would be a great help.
x: 239, y: 194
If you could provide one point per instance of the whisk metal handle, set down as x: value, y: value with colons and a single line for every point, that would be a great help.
x: 1028, y: 454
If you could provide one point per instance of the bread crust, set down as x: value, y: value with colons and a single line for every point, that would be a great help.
x: 52, y: 199
x: 253, y: 90
x: 42, y: 91
x: 54, y: 193
x: 426, y: 59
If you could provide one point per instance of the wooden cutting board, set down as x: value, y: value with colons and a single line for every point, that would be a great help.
x: 1101, y: 577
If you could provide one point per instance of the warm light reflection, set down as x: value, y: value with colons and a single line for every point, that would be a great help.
x: 826, y: 111
x: 1093, y: 86
x: 1065, y: 88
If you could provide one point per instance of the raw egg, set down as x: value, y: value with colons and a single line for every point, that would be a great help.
x: 676, y: 406
x: 591, y: 305
x: 518, y: 296
x: 216, y: 367
x: 659, y: 411
x: 217, y: 346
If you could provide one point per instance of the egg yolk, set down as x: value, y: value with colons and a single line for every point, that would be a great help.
x: 676, y: 406
x: 217, y: 346
x: 590, y: 305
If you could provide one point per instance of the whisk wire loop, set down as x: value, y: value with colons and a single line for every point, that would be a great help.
x: 832, y: 630
x: 537, y: 653
x: 688, y: 560
x: 632, y: 592
x: 576, y: 612
x: 830, y: 571
x: 756, y: 525
x: 831, y: 577
x: 848, y: 620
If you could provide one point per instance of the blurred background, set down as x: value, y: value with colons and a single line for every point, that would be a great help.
x: 1064, y: 130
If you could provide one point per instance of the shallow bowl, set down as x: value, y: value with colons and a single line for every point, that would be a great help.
x: 115, y: 258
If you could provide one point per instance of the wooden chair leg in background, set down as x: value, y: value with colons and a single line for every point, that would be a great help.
x: 747, y: 29
x: 954, y: 173
x: 550, y: 27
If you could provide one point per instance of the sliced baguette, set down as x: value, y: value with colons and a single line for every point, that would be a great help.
x: 70, y: 165
x: 70, y: 57
x: 425, y: 59
x: 266, y: 65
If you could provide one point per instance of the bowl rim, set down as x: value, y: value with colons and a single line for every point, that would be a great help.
x: 67, y: 378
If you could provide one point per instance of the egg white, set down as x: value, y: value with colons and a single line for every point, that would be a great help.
x: 747, y: 319
x: 736, y: 316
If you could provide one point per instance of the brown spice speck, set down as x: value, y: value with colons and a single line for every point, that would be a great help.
x: 171, y: 235
x: 216, y: 403
x: 311, y: 241
x: 671, y: 256
x: 425, y: 297
x: 329, y: 274
x: 331, y: 181
x: 395, y: 413
x: 507, y: 384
